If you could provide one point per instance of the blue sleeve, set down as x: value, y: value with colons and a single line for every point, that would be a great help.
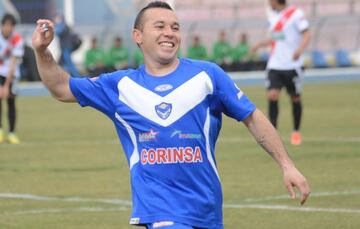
x: 234, y: 103
x: 93, y: 92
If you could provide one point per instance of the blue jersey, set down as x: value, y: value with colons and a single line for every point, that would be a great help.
x: 168, y: 127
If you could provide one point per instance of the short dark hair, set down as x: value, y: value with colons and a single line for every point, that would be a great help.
x: 282, y: 2
x: 156, y: 4
x: 8, y: 17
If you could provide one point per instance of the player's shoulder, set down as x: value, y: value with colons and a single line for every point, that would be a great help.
x: 299, y: 11
x: 200, y: 64
x: 116, y: 75
x: 212, y: 70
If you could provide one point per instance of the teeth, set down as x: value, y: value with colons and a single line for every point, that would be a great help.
x: 167, y: 44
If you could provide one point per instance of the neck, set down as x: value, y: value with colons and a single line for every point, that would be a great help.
x: 161, y: 69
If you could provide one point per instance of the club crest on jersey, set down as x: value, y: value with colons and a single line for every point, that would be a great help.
x: 163, y: 110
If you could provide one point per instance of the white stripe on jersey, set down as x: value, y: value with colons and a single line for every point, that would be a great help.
x: 135, y: 155
x: 208, y: 150
x: 183, y: 99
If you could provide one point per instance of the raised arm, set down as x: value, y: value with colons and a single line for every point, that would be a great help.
x: 52, y: 75
x: 267, y: 136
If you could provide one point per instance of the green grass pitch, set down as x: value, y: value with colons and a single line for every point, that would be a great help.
x: 70, y: 172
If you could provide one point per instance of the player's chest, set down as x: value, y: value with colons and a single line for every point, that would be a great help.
x: 163, y: 108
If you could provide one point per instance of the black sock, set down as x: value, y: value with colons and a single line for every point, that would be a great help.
x: 11, y: 114
x: 273, y: 112
x: 297, y: 111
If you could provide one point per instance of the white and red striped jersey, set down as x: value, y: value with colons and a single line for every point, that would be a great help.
x: 286, y: 29
x: 13, y: 46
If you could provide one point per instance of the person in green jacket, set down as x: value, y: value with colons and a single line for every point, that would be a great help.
x: 241, y: 50
x: 118, y: 55
x: 197, y: 50
x: 242, y: 58
x: 222, y: 51
x: 94, y: 58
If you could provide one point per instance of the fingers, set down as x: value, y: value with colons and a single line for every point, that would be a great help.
x: 291, y: 191
x: 42, y: 22
x: 43, y: 34
x: 45, y: 28
x: 305, y: 192
x: 294, y: 179
x: 304, y: 197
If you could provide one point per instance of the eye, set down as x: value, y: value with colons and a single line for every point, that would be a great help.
x: 159, y: 26
x: 175, y: 28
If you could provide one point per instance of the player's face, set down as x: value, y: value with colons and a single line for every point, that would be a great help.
x: 160, y: 36
x: 7, y: 28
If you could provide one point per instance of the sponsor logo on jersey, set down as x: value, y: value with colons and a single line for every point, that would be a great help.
x: 164, y: 87
x: 171, y: 155
x: 278, y: 35
x: 163, y: 110
x: 180, y: 135
x: 148, y: 136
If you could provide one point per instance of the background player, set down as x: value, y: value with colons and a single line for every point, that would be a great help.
x: 167, y: 114
x: 289, y: 37
x: 11, y: 52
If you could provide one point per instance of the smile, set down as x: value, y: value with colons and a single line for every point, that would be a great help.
x: 167, y: 44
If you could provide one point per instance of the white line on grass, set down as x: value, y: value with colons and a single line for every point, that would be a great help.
x: 291, y: 208
x: 306, y: 139
x: 124, y: 204
x: 65, y: 210
x: 231, y: 206
x: 64, y: 199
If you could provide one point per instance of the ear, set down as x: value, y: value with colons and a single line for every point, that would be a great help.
x: 137, y: 36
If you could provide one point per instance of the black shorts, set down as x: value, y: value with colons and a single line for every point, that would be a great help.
x: 12, y: 89
x: 291, y: 79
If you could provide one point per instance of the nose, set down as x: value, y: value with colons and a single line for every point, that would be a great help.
x: 168, y: 31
